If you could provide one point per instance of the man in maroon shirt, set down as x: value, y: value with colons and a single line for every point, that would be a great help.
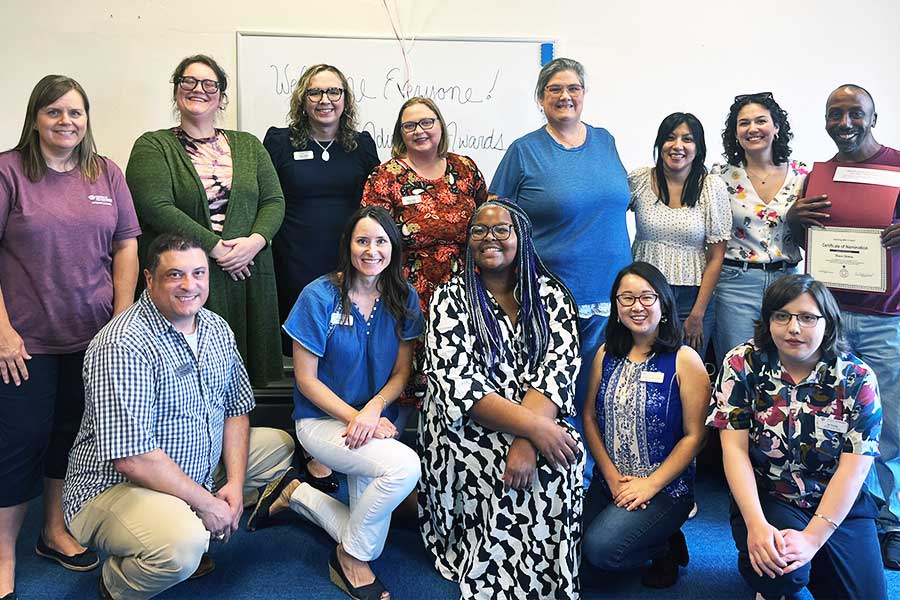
x: 872, y: 321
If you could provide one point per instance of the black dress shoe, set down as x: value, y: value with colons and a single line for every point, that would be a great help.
x: 260, y: 517
x: 207, y: 565
x: 328, y: 484
x: 890, y: 550
x: 84, y: 561
x: 372, y: 591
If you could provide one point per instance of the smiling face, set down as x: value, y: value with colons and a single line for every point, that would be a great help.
x: 755, y: 130
x: 490, y: 253
x: 424, y: 142
x: 179, y: 286
x: 370, y: 248
x: 799, y: 347
x: 640, y: 320
x: 62, y: 125
x: 563, y: 108
x: 849, y: 119
x: 326, y: 113
x: 197, y: 105
x: 679, y: 150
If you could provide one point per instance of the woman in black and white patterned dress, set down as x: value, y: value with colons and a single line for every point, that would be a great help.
x: 500, y: 496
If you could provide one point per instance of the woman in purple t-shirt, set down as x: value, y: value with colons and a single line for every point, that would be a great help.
x: 68, y: 262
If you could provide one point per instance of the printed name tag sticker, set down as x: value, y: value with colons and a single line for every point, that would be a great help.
x: 409, y: 200
x: 829, y: 424
x: 303, y: 155
x: 652, y: 377
x: 338, y: 319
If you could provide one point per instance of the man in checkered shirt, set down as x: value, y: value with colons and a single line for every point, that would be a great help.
x: 165, y: 456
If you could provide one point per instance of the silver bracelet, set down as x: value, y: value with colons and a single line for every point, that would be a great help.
x: 827, y: 520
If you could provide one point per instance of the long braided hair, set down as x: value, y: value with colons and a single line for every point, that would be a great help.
x: 532, y: 313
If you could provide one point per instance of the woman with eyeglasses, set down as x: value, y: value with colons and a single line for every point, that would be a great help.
x: 800, y: 422
x: 68, y: 263
x: 501, y: 489
x: 568, y: 177
x: 432, y: 194
x: 322, y: 163
x: 218, y: 186
x: 683, y: 219
x: 763, y: 183
x: 643, y: 422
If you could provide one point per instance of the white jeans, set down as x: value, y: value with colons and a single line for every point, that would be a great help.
x: 380, y: 475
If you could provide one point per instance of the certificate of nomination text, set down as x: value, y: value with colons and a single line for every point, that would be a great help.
x: 848, y: 258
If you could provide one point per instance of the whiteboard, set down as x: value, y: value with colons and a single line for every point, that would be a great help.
x: 484, y: 87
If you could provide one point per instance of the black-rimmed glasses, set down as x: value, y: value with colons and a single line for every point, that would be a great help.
x: 410, y: 126
x: 334, y: 94
x: 189, y: 84
x: 756, y: 96
x: 646, y: 300
x: 782, y: 317
x: 500, y: 231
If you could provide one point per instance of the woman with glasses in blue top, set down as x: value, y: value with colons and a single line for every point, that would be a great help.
x: 353, y: 331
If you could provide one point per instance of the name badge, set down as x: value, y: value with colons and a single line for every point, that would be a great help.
x: 829, y: 424
x: 652, y: 377
x: 184, y: 370
x: 409, y: 200
x: 303, y: 155
x: 338, y: 319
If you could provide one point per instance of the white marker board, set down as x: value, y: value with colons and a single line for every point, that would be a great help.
x: 484, y: 88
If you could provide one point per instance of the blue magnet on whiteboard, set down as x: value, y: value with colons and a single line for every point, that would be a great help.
x: 546, y: 53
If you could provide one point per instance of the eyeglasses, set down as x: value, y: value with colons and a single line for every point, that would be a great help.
x: 756, y: 96
x: 189, y: 84
x: 410, y: 126
x: 334, y: 94
x: 646, y: 300
x: 500, y: 231
x: 804, y: 319
x: 556, y: 90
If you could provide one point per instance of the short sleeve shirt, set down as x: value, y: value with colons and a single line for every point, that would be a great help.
x: 356, y: 356
x: 798, y: 431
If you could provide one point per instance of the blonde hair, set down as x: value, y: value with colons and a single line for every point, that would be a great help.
x: 299, y: 120
x: 398, y: 146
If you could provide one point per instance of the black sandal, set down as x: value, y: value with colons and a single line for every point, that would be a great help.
x: 372, y: 591
x: 260, y: 517
x: 328, y: 484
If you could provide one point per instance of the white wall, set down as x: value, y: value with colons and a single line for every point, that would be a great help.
x: 644, y: 59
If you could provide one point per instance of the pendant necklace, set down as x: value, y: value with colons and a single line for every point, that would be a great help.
x: 325, y: 155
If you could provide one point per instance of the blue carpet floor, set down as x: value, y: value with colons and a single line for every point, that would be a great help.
x: 290, y: 560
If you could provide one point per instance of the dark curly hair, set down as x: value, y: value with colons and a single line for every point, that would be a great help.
x: 781, y: 149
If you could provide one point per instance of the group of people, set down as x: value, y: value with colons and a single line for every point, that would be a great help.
x: 557, y: 366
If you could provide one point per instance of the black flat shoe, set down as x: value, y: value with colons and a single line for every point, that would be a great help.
x: 10, y: 596
x: 328, y: 484
x: 84, y: 561
x: 663, y: 572
x: 372, y: 591
x: 260, y: 518
x: 207, y: 565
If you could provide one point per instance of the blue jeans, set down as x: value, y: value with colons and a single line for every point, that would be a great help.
x: 739, y: 296
x: 876, y: 340
x: 685, y: 297
x: 847, y: 566
x: 616, y: 539
x: 592, y: 332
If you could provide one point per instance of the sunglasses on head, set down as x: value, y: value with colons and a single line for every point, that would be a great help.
x: 756, y: 96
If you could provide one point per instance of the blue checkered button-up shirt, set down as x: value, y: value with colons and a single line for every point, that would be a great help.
x: 145, y: 389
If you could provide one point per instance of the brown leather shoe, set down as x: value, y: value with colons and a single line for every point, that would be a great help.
x: 207, y: 565
x: 104, y: 593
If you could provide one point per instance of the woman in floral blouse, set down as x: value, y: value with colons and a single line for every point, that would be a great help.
x: 432, y: 194
x: 800, y: 424
x: 763, y: 183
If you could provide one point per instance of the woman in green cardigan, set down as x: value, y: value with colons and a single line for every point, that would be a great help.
x: 220, y: 187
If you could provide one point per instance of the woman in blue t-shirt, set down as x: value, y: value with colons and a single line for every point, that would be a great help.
x: 644, y: 424
x: 352, y: 334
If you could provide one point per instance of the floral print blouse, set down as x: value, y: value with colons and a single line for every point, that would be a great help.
x: 797, y: 430
x: 759, y: 233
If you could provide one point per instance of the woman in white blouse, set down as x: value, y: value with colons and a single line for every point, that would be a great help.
x: 763, y: 184
x: 683, y: 221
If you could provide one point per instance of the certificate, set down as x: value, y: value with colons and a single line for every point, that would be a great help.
x: 847, y: 258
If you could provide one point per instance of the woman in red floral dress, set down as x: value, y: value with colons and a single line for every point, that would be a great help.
x: 432, y: 194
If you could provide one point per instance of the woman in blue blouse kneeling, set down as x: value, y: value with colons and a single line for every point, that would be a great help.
x: 643, y: 421
x: 800, y: 422
x: 352, y: 333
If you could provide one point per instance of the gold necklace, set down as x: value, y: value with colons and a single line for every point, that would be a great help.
x: 762, y: 180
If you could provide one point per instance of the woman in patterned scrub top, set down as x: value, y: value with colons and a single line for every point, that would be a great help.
x: 432, y: 194
x: 800, y: 422
x: 500, y: 494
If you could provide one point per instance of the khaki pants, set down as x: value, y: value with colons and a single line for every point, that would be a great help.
x: 154, y: 540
